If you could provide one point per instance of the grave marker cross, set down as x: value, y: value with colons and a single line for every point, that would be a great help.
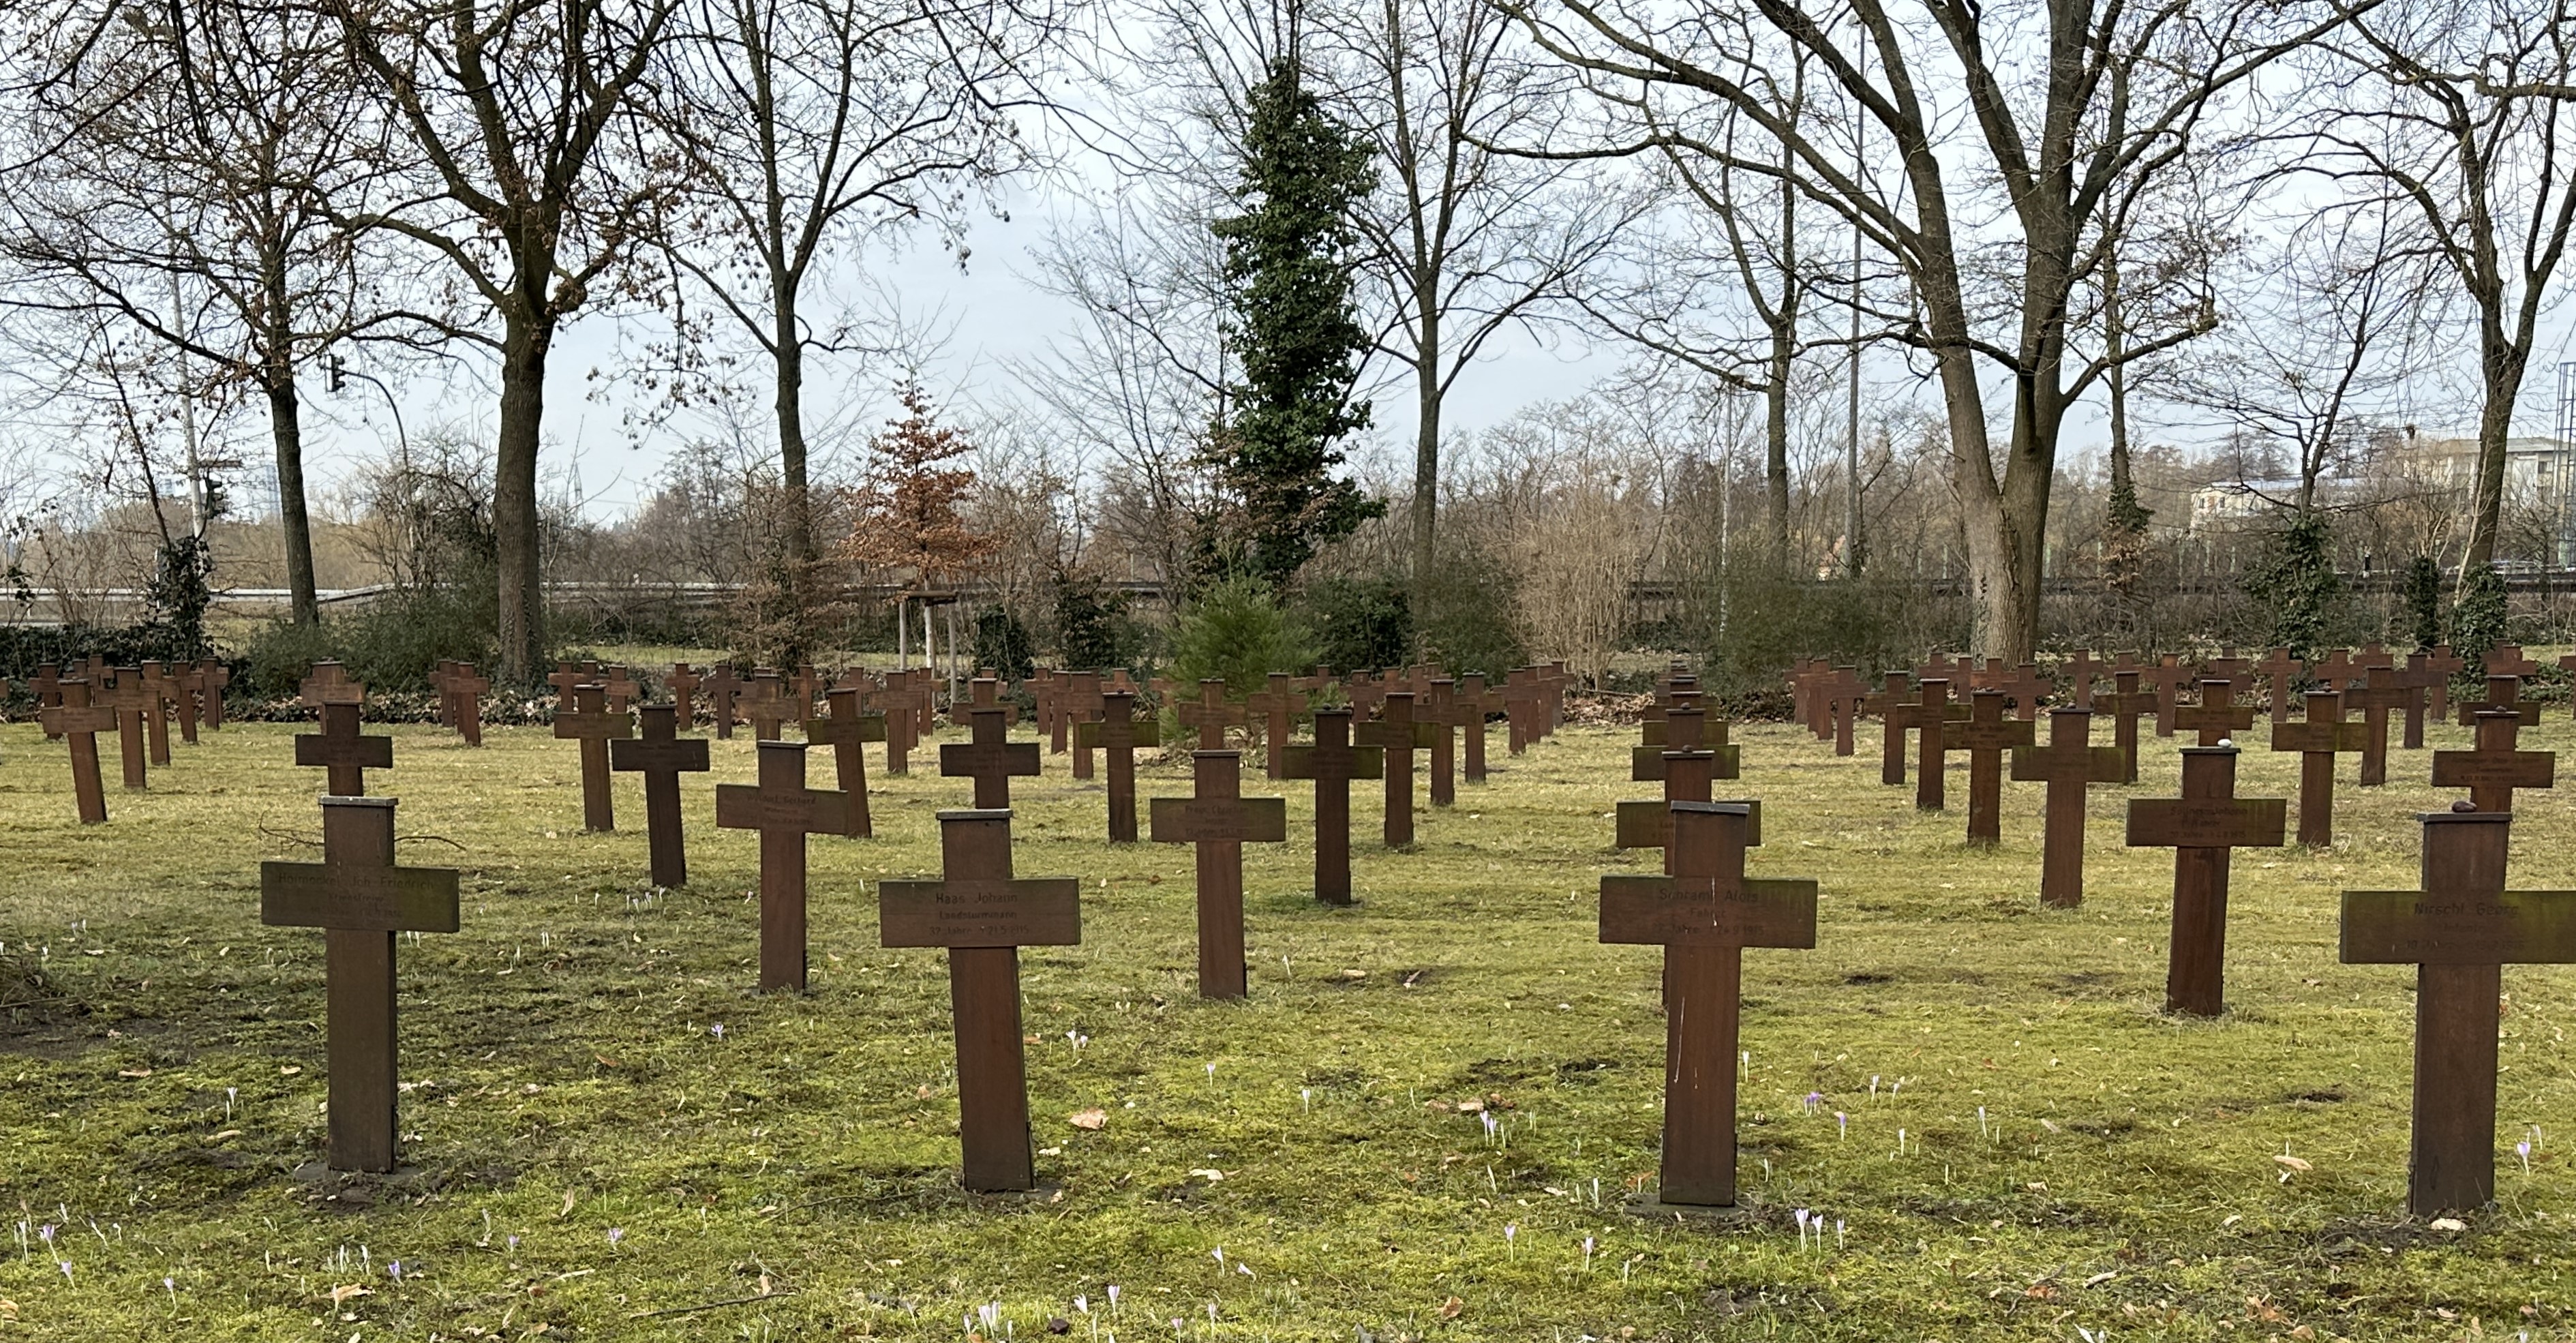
x: 1931, y: 717
x: 2127, y: 704
x: 1396, y: 734
x: 990, y: 758
x: 2317, y: 741
x: 126, y: 695
x: 2066, y: 765
x: 1117, y: 732
x: 2459, y: 931
x: 1219, y: 820
x: 213, y: 676
x: 2503, y: 695
x: 2378, y: 694
x: 1896, y: 716
x: 784, y: 811
x: 2202, y: 827
x: 847, y: 729
x: 593, y: 724
x: 79, y: 722
x: 1441, y: 714
x: 1475, y: 702
x: 157, y: 694
x: 1332, y: 762
x: 722, y: 688
x: 1209, y: 715
x: 1704, y: 913
x: 2283, y: 671
x: 2440, y: 666
x: 339, y: 750
x: 983, y: 916
x: 2082, y: 670
x: 465, y: 688
x: 48, y: 687
x: 2217, y: 717
x: 2494, y: 769
x: 1279, y: 704
x: 1985, y: 737
x: 360, y: 899
x: 662, y: 755
x: 683, y: 684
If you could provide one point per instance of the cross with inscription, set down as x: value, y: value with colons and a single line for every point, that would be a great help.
x: 1220, y: 821
x: 1279, y: 705
x: 722, y: 689
x: 2459, y: 931
x: 2504, y: 691
x: 2203, y: 827
x: 2282, y: 669
x: 2066, y: 765
x: 591, y: 723
x: 1704, y: 912
x: 1116, y: 733
x: 983, y: 916
x: 847, y: 729
x: 784, y: 811
x: 1396, y: 734
x: 2126, y: 704
x: 2317, y: 741
x: 1985, y: 737
x: 990, y: 758
x: 1688, y: 771
x: 2378, y: 693
x: 360, y: 899
x: 2217, y: 717
x: 1209, y: 716
x: 79, y: 722
x: 1332, y: 762
x: 339, y: 750
x: 661, y: 755
x: 2495, y: 769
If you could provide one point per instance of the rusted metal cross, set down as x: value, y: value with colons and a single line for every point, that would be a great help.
x: 1332, y: 762
x: 1396, y: 734
x: 682, y: 683
x: 662, y: 755
x: 2318, y: 740
x: 1985, y: 737
x: 1116, y: 733
x: 360, y: 899
x: 722, y: 689
x: 990, y: 758
x: 2504, y: 691
x: 1220, y: 820
x: 2217, y: 717
x: 76, y: 720
x: 1280, y: 704
x: 2127, y: 704
x: 2283, y: 670
x: 847, y: 729
x: 590, y: 722
x: 1704, y: 912
x: 784, y: 811
x: 1209, y: 716
x: 2379, y: 693
x: 2203, y: 826
x: 2068, y: 763
x: 2495, y: 769
x: 2459, y: 931
x: 339, y: 750
x: 983, y: 916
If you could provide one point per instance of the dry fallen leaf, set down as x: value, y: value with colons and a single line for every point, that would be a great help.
x: 1449, y: 1309
x: 567, y: 1208
x: 340, y: 1294
x: 2449, y: 1224
x: 134, y: 1072
x: 1090, y: 1121
x: 1211, y: 1176
x: 2290, y: 1162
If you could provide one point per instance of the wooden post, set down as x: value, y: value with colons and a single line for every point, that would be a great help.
x: 1332, y: 762
x: 2203, y: 827
x: 2066, y: 765
x: 1220, y: 821
x: 590, y: 722
x: 1985, y: 737
x: 2317, y: 740
x: 1704, y: 913
x: 661, y: 756
x: 2459, y: 931
x: 361, y: 899
x: 983, y: 916
x: 73, y: 718
x: 847, y: 730
x: 784, y: 811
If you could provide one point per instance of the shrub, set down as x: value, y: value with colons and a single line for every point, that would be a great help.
x: 1237, y: 633
x: 393, y: 644
x: 2423, y: 599
x: 1469, y: 626
x: 1092, y: 628
x: 2298, y: 588
x: 1002, y: 643
x: 2478, y: 620
x: 1358, y: 622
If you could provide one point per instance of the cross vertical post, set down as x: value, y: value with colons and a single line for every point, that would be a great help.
x: 1985, y: 737
x: 847, y: 729
x: 79, y: 722
x: 2203, y: 827
x: 1218, y: 821
x: 594, y: 725
x: 1396, y: 734
x: 2066, y: 765
x: 1332, y: 762
x: 784, y: 811
x: 661, y: 755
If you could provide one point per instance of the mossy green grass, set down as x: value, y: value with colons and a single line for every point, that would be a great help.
x: 1426, y: 1122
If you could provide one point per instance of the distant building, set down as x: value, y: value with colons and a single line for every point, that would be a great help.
x: 2232, y: 503
x: 2535, y: 468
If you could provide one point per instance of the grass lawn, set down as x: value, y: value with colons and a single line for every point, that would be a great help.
x: 588, y: 1149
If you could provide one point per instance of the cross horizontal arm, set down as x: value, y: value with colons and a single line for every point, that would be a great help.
x: 1686, y: 911
x: 361, y: 899
x: 2422, y: 928
x: 1022, y: 912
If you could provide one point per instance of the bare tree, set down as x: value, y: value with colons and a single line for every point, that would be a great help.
x: 180, y: 163
x: 2023, y: 137
x: 536, y: 185
x: 810, y: 126
x: 2457, y: 111
x: 1461, y: 242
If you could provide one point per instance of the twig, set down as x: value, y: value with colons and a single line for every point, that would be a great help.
x: 433, y: 839
x: 707, y: 1305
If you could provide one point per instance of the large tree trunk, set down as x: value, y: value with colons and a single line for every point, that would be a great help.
x: 2501, y: 366
x: 286, y: 430
x: 524, y: 344
x: 1426, y: 461
x: 796, y: 575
